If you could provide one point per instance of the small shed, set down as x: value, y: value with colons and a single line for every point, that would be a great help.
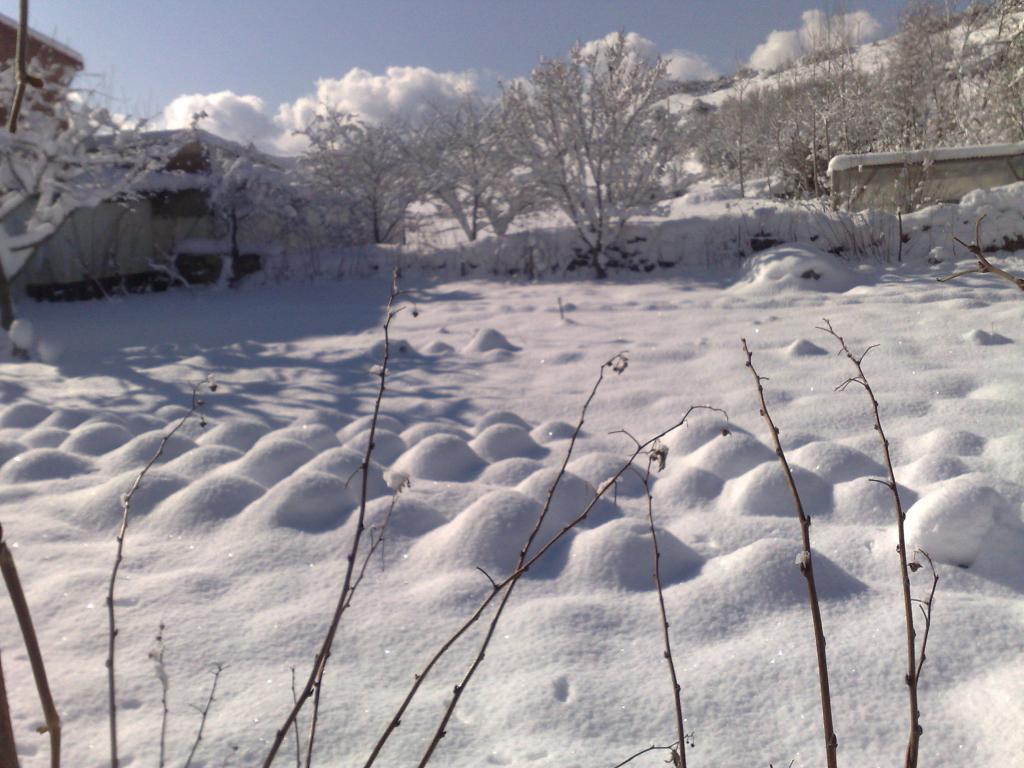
x: 905, y: 181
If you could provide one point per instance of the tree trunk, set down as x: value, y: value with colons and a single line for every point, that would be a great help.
x: 6, y: 304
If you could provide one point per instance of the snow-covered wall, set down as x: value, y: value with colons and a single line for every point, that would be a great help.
x: 906, y: 181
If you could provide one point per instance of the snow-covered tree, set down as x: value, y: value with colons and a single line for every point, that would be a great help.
x: 596, y: 134
x: 248, y: 192
x: 464, y: 163
x: 65, y: 155
x: 364, y: 168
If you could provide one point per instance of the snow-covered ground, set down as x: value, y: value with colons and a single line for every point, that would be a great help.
x: 238, y: 538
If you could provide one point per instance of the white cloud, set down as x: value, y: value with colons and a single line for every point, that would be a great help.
x: 233, y: 116
x: 682, y: 65
x: 400, y: 90
x: 817, y: 29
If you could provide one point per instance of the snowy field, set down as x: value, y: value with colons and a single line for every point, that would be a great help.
x: 238, y: 538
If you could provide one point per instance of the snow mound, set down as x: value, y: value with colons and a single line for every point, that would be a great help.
x: 43, y: 464
x: 9, y: 449
x: 552, y: 430
x: 505, y: 441
x: 418, y: 432
x: 345, y: 463
x: 384, y: 421
x: 211, y: 499
x: 864, y: 502
x: 796, y: 268
x: 272, y: 459
x: 387, y: 446
x: 572, y: 496
x: 764, y: 574
x: 699, y: 430
x: 489, y: 533
x: 68, y: 418
x: 836, y: 462
x: 688, y: 486
x: 932, y: 468
x: 488, y: 339
x: 96, y: 439
x: 317, y: 436
x: 439, y: 348
x: 236, y: 433
x: 22, y: 333
x: 600, y: 466
x: 411, y: 517
x: 510, y: 471
x: 137, y: 452
x: 498, y: 417
x: 441, y: 457
x: 952, y: 442
x: 100, y: 507
x: 203, y: 459
x: 308, y: 501
x: 731, y: 455
x: 764, y: 491
x: 951, y: 522
x: 804, y: 348
x: 985, y: 339
x: 23, y: 416
x: 620, y: 555
x: 45, y: 437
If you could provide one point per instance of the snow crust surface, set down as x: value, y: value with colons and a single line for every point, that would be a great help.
x: 238, y: 535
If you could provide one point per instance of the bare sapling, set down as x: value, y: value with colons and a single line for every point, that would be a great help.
x: 313, y: 684
x: 35, y: 656
x: 126, y: 504
x: 204, y: 711
x: 525, y: 563
x: 806, y: 563
x: 984, y: 266
x: 657, y: 454
x: 913, y: 667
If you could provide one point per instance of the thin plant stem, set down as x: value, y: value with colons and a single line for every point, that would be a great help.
x: 806, y: 563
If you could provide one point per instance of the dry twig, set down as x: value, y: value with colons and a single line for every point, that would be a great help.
x: 913, y: 669
x: 806, y: 568
x: 157, y: 656
x: 315, y: 680
x: 204, y: 711
x: 653, y: 748
x: 35, y: 656
x: 8, y: 749
x: 658, y: 453
x: 525, y: 564
x: 984, y: 266
x: 126, y: 503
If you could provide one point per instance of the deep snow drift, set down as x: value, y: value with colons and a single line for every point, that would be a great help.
x: 238, y: 535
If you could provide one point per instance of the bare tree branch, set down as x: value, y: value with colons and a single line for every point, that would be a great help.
x: 204, y: 711
x: 984, y: 265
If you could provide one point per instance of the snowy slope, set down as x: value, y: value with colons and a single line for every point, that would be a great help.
x: 237, y: 540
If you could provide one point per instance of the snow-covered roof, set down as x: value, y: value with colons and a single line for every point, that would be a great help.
x: 46, y: 40
x: 846, y: 162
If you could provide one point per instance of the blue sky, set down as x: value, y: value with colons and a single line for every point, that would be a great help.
x: 274, y: 51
